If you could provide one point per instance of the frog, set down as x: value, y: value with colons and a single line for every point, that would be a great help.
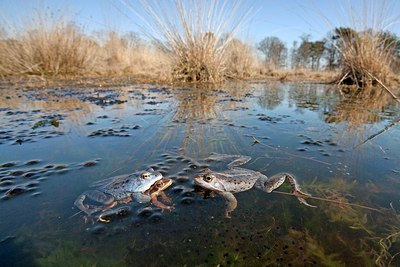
x: 237, y: 179
x: 119, y: 189
x: 157, y: 189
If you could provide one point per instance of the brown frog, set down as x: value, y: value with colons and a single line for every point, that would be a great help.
x: 157, y: 189
x: 239, y: 179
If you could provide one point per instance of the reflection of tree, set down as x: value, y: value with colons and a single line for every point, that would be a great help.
x: 271, y: 96
x: 311, y: 96
x: 359, y: 108
x: 352, y: 110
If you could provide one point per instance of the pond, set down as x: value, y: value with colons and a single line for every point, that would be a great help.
x: 55, y: 143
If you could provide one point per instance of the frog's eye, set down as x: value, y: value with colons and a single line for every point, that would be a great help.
x: 159, y: 184
x: 208, y: 178
x: 145, y: 176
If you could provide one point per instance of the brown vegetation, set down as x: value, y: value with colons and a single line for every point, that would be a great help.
x: 48, y: 46
x: 52, y: 46
x: 195, y: 43
x: 366, y: 58
x: 198, y: 38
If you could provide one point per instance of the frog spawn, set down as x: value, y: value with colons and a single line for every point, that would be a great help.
x: 18, y: 178
x: 252, y: 240
x: 29, y: 126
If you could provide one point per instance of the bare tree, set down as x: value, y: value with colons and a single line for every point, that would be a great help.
x: 274, y: 50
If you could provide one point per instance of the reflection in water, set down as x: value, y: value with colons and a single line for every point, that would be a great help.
x: 200, y: 113
x: 302, y: 129
x: 271, y: 97
x: 361, y: 109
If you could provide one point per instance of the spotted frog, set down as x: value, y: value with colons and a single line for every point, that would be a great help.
x: 121, y: 189
x: 237, y: 179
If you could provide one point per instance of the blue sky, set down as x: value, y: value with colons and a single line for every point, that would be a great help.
x: 286, y: 19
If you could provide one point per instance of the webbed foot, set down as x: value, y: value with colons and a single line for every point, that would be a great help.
x: 300, y: 196
x: 270, y: 184
x: 109, y: 215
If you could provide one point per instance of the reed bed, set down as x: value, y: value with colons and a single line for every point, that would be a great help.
x: 187, y: 41
x: 131, y: 55
x: 52, y: 45
x: 193, y: 43
x: 48, y: 45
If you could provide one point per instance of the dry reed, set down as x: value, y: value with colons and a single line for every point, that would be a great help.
x: 49, y: 45
x: 367, y: 49
x: 131, y: 55
x: 195, y: 35
x: 366, y: 59
x: 241, y: 62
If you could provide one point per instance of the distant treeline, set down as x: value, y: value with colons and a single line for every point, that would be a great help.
x: 325, y: 54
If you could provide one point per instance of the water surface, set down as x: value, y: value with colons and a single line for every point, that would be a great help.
x: 56, y: 142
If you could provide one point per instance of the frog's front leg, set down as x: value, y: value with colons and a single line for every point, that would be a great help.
x: 270, y: 184
x: 159, y: 204
x: 165, y: 198
x: 231, y: 203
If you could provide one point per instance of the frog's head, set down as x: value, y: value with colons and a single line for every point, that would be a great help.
x: 160, y: 185
x: 207, y: 179
x: 147, y: 179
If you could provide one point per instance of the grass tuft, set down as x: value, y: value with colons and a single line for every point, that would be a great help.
x: 367, y: 48
x: 195, y: 35
x: 366, y: 58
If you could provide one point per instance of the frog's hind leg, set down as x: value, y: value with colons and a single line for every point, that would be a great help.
x: 237, y: 160
x: 107, y: 200
x: 231, y: 203
x: 270, y: 184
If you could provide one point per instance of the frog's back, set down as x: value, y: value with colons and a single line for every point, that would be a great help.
x: 238, y: 179
x: 123, y: 186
